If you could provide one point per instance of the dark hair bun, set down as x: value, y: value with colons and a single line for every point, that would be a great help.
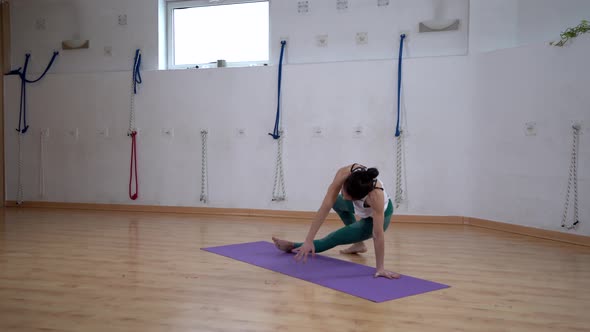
x: 360, y: 182
x: 372, y: 173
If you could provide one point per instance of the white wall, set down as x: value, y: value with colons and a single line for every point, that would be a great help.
x: 336, y: 97
x: 456, y: 115
x: 522, y: 179
x: 493, y: 25
x: 543, y: 20
x: 501, y: 24
x: 96, y: 21
x: 382, y: 24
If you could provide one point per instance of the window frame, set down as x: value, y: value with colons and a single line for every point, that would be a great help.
x: 171, y: 5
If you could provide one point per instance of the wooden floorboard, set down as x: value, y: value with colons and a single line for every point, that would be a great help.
x: 66, y: 270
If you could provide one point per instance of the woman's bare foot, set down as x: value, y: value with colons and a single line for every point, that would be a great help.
x: 283, y: 245
x: 356, y: 248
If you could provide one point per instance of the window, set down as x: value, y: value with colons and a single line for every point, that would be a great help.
x: 201, y: 32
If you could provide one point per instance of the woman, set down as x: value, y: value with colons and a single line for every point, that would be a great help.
x: 354, y: 190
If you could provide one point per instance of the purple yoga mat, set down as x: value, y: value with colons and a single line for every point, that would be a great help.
x: 348, y: 277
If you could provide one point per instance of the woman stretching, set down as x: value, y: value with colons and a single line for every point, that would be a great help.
x: 355, y: 190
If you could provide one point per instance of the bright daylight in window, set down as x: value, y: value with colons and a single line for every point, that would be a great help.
x: 203, y: 32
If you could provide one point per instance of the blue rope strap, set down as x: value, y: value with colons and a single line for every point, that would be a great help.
x: 22, y: 73
x: 136, y: 73
x: 399, y: 81
x: 275, y: 133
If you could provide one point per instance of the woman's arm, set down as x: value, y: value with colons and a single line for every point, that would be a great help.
x: 320, y: 216
x: 377, y: 201
x: 328, y: 202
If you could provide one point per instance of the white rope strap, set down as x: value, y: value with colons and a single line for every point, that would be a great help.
x: 132, y: 109
x: 204, y: 170
x: 398, y: 170
x: 572, y: 182
x: 278, y: 191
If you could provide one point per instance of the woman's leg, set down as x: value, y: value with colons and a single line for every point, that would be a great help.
x: 345, y: 210
x: 353, y: 233
x: 342, y: 207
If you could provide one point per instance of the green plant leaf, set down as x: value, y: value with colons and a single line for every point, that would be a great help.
x: 570, y: 33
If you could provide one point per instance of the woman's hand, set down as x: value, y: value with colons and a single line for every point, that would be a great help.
x: 302, y: 252
x: 387, y: 274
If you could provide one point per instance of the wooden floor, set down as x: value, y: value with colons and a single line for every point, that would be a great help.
x: 99, y: 271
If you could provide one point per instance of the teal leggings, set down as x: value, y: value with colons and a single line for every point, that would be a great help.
x: 354, y: 231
